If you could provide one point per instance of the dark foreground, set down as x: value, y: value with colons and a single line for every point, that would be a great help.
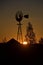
x: 16, y: 53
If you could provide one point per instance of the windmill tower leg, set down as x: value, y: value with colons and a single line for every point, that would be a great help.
x: 19, y: 33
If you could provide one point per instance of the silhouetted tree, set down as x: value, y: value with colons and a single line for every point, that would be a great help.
x: 41, y: 41
x: 4, y: 40
x: 30, y: 35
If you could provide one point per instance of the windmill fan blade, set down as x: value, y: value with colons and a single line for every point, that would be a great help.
x: 26, y: 16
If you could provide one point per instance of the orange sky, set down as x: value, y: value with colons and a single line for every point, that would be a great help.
x: 8, y: 24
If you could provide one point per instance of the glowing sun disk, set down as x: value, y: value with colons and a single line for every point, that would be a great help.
x: 25, y: 43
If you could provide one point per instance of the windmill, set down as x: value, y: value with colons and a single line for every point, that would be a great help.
x: 19, y: 16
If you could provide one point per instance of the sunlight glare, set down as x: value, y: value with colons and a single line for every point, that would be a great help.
x: 25, y: 43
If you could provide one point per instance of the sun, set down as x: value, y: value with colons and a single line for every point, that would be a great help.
x: 25, y: 43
